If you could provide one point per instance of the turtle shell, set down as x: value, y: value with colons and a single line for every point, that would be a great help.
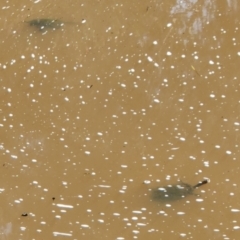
x: 45, y: 23
x: 174, y: 192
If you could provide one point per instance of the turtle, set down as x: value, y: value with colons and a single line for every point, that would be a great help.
x: 46, y: 23
x: 174, y: 192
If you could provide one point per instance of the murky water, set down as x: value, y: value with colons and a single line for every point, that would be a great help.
x: 123, y: 98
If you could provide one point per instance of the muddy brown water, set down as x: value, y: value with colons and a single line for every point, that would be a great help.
x: 94, y: 116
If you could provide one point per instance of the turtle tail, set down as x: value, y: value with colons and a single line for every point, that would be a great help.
x: 200, y: 183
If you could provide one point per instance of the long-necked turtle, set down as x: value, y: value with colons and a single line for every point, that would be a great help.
x: 46, y: 23
x: 174, y: 192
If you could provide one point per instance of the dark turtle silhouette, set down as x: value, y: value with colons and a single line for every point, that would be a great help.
x: 43, y: 24
x: 174, y: 192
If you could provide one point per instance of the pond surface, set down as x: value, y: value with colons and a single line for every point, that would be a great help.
x: 94, y: 115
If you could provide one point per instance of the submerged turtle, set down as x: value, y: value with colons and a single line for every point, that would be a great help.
x: 174, y: 192
x: 46, y: 23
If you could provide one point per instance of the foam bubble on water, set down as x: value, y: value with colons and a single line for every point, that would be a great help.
x: 235, y: 210
x: 180, y: 213
x: 85, y: 226
x: 236, y: 227
x: 183, y: 234
x: 64, y: 205
x: 149, y: 59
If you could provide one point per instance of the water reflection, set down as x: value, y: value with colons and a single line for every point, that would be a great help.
x: 195, y: 14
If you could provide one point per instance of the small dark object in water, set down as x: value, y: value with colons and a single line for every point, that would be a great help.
x: 24, y: 214
x: 174, y: 192
x: 45, y: 23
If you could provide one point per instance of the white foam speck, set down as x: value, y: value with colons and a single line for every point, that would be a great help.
x: 104, y: 186
x: 236, y: 227
x: 235, y: 210
x: 182, y: 139
x: 199, y: 200
x: 64, y: 206
x: 149, y: 59
x: 155, y: 42
x: 141, y: 224
x: 137, y: 212
x: 147, y: 181
x: 66, y: 99
x: 212, y: 96
x: 169, y: 24
x: 180, y: 213
x: 183, y: 234
x: 14, y: 156
x: 211, y: 62
x: 206, y: 164
x: 87, y: 152
x: 99, y: 134
x: 55, y: 234
x: 124, y: 166
x: 169, y: 53
x: 228, y: 152
x: 9, y: 89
